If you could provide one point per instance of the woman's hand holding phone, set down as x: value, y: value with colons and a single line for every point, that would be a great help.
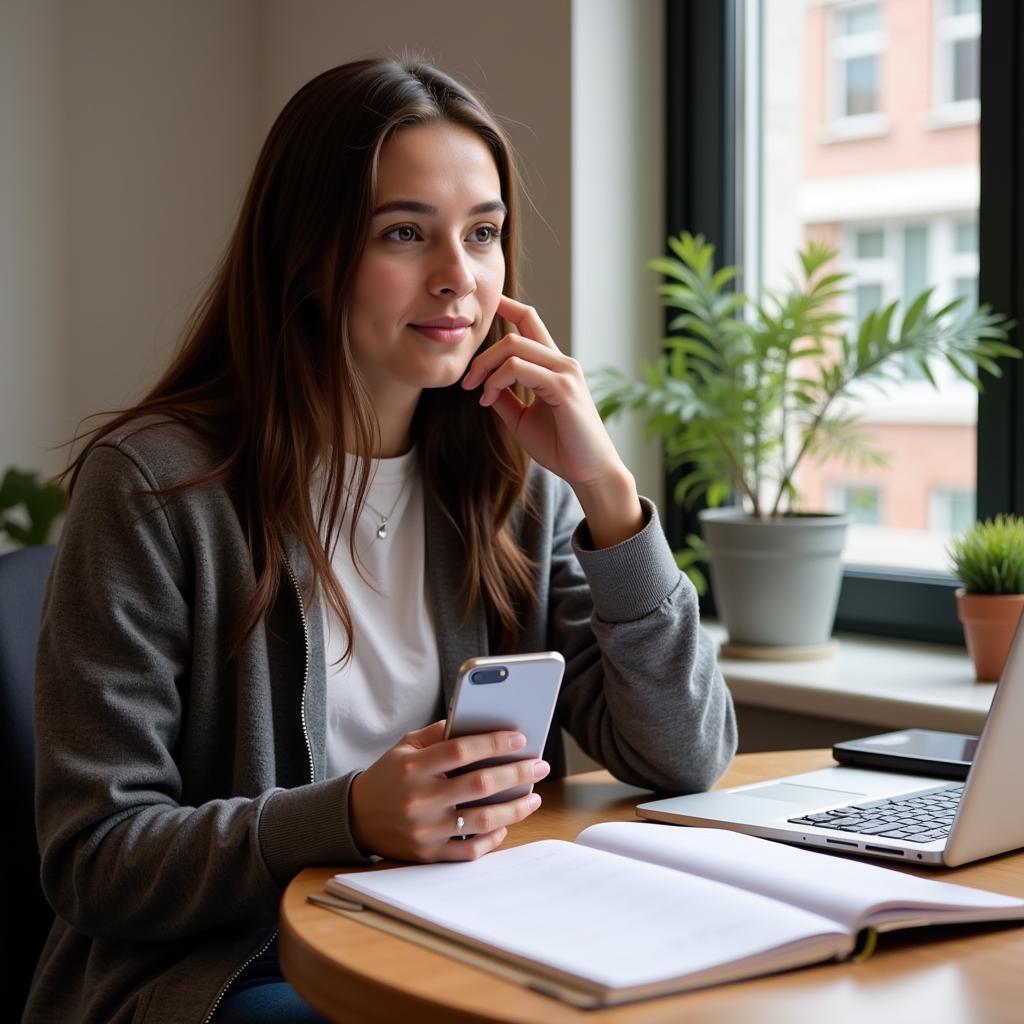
x: 404, y: 805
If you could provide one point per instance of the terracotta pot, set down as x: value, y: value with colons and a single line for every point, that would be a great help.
x: 989, y: 622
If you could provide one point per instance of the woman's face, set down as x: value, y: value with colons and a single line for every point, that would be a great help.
x: 428, y: 284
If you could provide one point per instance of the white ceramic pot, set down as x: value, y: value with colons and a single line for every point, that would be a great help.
x: 776, y: 582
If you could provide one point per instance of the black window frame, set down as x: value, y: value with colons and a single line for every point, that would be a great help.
x: 702, y: 96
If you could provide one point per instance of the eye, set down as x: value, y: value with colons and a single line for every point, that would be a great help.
x: 402, y: 233
x: 485, y: 234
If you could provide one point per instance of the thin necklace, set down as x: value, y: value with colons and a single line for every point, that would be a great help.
x: 382, y: 529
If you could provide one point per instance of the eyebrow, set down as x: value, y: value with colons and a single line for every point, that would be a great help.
x: 410, y: 206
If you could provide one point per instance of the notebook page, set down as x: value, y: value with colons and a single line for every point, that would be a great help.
x: 612, y: 922
x: 844, y: 890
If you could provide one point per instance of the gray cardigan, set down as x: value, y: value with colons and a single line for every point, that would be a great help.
x: 179, y: 790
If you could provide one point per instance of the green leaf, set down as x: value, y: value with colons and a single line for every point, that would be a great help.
x: 914, y: 312
x: 864, y: 339
x: 41, y: 504
x: 960, y: 368
x: 717, y: 493
x: 722, y: 277
x: 922, y: 362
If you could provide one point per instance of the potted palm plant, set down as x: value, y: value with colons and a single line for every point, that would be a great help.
x: 746, y: 390
x: 989, y: 560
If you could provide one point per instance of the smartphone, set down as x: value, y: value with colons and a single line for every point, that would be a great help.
x: 517, y: 692
x: 946, y: 754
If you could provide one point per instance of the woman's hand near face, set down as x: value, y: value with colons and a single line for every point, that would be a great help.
x: 404, y: 805
x: 561, y: 429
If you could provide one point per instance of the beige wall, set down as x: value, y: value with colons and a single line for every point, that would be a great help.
x: 520, y: 64
x: 134, y: 129
x: 134, y: 125
x: 33, y: 371
x: 160, y: 132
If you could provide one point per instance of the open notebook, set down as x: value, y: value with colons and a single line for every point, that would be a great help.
x: 632, y: 910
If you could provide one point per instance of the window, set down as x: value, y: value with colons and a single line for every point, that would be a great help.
x: 956, y: 223
x: 870, y: 244
x: 873, y: 277
x: 957, y: 60
x: 963, y: 261
x: 862, y: 503
x: 857, y: 46
x: 902, y: 215
x: 899, y: 260
x: 951, y: 511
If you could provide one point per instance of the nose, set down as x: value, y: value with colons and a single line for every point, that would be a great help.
x: 452, y: 276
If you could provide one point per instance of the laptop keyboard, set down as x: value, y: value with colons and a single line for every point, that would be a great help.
x: 916, y: 818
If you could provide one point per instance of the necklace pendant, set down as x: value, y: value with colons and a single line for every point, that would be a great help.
x: 382, y: 530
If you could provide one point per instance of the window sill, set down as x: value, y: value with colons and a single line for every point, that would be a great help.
x: 893, y: 684
x: 954, y: 115
x: 851, y: 129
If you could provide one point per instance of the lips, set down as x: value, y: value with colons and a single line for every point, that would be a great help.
x: 446, y: 330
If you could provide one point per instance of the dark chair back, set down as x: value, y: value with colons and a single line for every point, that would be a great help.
x: 23, y: 576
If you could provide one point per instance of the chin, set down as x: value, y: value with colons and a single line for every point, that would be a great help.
x: 443, y: 380
x: 442, y: 374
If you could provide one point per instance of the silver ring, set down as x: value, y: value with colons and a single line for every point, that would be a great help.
x: 460, y: 824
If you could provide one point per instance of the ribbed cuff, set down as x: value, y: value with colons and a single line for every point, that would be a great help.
x: 629, y: 580
x: 308, y: 825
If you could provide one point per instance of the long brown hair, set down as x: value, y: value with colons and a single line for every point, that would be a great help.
x: 266, y: 367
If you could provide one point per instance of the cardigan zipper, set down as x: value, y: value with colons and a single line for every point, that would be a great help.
x: 305, y: 674
x: 234, y: 977
x: 309, y: 754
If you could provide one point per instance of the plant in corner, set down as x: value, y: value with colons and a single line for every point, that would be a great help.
x: 989, y: 560
x: 750, y: 387
x: 28, y: 507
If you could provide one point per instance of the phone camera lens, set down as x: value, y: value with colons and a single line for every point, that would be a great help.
x: 489, y: 675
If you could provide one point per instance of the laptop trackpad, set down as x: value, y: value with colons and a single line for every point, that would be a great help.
x: 791, y: 794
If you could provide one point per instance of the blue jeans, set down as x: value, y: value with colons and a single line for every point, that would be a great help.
x: 260, y: 995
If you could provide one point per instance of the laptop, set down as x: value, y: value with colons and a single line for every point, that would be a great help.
x: 924, y: 820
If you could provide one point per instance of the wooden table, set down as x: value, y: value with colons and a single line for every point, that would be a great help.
x: 354, y: 974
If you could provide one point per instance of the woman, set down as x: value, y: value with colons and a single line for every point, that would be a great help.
x: 274, y: 564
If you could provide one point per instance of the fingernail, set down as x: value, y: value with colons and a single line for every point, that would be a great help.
x: 540, y: 769
x: 516, y: 741
x: 534, y: 802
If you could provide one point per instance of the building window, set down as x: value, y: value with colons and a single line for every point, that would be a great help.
x: 856, y: 50
x: 872, y: 273
x: 957, y: 60
x: 898, y: 260
x: 861, y: 502
x: 963, y: 261
x: 950, y: 510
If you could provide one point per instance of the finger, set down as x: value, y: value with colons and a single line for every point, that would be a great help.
x: 473, y: 848
x: 480, y: 820
x: 526, y: 320
x: 552, y: 387
x: 512, y: 345
x: 466, y: 750
x: 425, y: 737
x: 481, y: 783
x: 510, y: 407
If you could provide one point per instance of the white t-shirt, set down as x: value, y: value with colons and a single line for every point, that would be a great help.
x: 391, y: 684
